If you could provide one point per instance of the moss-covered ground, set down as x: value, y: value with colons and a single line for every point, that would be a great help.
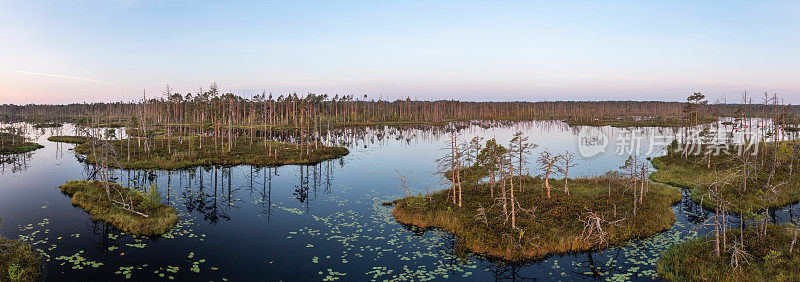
x: 91, y: 196
x: 765, y: 258
x: 178, y: 155
x: 551, y: 225
x: 15, y: 144
x: 18, y: 261
x: 68, y: 139
x: 48, y: 125
x: 634, y: 122
x: 696, y: 172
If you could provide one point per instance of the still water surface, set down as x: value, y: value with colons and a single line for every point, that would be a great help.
x: 322, y: 222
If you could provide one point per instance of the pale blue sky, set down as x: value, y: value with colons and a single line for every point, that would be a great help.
x: 76, y: 51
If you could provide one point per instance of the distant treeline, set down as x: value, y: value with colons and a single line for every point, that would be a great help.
x: 292, y: 111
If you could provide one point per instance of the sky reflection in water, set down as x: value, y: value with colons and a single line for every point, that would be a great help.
x: 322, y: 222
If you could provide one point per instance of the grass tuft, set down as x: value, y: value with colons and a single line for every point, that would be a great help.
x: 767, y: 258
x: 68, y: 139
x: 693, y: 173
x: 15, y: 144
x: 48, y: 125
x: 553, y: 226
x: 634, y: 122
x: 179, y: 156
x: 91, y: 196
x: 18, y: 261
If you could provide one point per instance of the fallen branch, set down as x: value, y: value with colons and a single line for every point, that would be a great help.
x: 128, y: 206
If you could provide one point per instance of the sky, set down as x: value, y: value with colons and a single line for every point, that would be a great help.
x: 104, y: 51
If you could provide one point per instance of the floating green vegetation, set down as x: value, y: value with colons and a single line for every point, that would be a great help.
x: 137, y: 245
x: 544, y: 225
x: 428, y: 254
x: 15, y: 144
x: 636, y: 260
x: 764, y: 187
x: 38, y: 236
x: 69, y: 139
x: 164, y: 153
x: 48, y: 125
x: 375, y: 236
x: 92, y: 197
x: 764, y: 256
x: 127, y: 271
x: 78, y: 261
x: 331, y: 275
x: 18, y: 261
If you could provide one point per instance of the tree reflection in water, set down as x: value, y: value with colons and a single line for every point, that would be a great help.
x: 15, y: 163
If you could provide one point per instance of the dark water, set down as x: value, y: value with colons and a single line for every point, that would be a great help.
x: 322, y: 222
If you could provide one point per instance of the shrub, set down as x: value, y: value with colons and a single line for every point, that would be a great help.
x: 14, y: 272
x: 151, y: 199
x: 18, y: 261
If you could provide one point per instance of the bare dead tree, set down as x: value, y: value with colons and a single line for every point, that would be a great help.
x: 126, y: 203
x: 481, y: 215
x: 567, y: 162
x: 449, y: 165
x: 636, y: 179
x: 403, y: 184
x: 513, y: 199
x: 548, y: 163
x: 739, y: 255
x: 794, y: 229
x: 521, y: 149
x: 593, y: 227
x: 719, y: 222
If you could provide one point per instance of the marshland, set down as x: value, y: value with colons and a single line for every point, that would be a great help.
x: 399, y: 140
x: 223, y: 187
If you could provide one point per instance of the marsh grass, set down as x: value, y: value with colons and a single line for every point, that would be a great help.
x: 68, y: 139
x: 443, y: 122
x: 83, y: 121
x: 138, y: 132
x: 18, y: 261
x: 693, y: 174
x: 635, y: 122
x: 241, y: 153
x: 554, y: 226
x: 19, y: 148
x: 768, y: 257
x: 15, y: 144
x: 48, y: 125
x: 91, y: 196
